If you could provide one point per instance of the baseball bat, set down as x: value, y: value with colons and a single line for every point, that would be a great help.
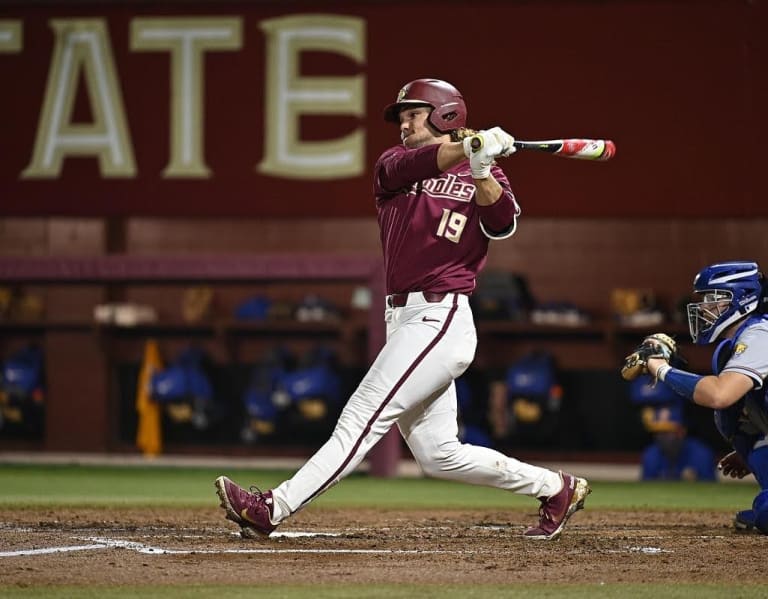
x: 581, y: 149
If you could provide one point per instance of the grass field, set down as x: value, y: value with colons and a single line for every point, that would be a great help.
x: 192, y: 487
x: 131, y: 487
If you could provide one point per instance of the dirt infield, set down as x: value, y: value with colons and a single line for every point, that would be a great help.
x: 164, y: 546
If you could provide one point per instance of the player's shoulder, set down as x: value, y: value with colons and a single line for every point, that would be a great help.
x: 391, y: 153
x: 760, y: 323
x: 757, y: 328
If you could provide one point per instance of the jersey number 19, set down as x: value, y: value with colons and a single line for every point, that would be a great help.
x: 451, y: 225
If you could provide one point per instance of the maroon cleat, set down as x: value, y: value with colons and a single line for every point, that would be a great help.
x: 252, y: 511
x: 556, y: 510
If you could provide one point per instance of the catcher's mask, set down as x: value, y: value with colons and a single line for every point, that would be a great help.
x: 448, y: 109
x: 729, y: 291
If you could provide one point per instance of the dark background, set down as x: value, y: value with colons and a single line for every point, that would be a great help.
x: 679, y: 86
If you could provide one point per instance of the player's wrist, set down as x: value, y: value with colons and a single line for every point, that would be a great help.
x: 681, y: 382
x: 466, y: 146
x: 662, y: 370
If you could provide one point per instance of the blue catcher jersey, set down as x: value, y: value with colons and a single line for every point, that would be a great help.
x: 746, y: 353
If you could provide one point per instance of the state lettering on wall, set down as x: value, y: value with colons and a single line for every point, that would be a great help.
x: 274, y: 110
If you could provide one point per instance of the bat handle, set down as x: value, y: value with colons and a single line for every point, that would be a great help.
x: 477, y: 142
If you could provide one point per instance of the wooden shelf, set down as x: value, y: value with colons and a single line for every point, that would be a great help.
x: 81, y: 353
x: 599, y: 330
x: 280, y: 327
x: 121, y: 268
x: 524, y: 328
x: 41, y: 326
x: 605, y: 328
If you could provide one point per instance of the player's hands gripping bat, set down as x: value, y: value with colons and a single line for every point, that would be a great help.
x: 494, y: 142
x: 658, y: 345
x: 582, y: 149
x: 484, y: 146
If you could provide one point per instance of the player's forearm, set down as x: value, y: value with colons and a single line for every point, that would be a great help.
x: 399, y: 167
x: 499, y: 218
x: 488, y: 191
x: 722, y: 391
x: 450, y: 154
x: 716, y: 392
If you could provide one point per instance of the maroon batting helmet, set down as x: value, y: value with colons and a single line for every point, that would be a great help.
x: 449, y: 111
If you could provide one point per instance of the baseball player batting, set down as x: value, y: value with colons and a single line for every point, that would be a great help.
x: 440, y: 201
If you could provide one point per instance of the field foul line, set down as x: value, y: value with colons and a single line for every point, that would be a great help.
x: 105, y: 543
x: 45, y: 550
x: 97, y: 543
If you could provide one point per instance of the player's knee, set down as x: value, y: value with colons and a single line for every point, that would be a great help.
x: 440, y: 461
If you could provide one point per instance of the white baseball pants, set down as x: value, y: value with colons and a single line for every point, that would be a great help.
x: 411, y: 383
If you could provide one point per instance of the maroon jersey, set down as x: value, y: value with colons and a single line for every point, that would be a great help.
x: 433, y: 234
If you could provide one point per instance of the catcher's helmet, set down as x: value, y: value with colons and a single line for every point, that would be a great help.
x: 729, y: 291
x: 448, y: 109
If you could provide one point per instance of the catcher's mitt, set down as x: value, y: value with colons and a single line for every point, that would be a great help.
x: 658, y: 345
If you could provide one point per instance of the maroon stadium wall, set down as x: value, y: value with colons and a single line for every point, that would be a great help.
x: 274, y: 109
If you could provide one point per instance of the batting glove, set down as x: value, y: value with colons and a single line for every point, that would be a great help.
x: 505, y: 143
x: 480, y: 163
x: 494, y: 142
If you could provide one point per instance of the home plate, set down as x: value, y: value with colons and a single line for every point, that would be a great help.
x: 297, y: 534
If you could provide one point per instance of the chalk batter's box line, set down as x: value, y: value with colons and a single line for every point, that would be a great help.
x: 106, y: 543
x: 98, y: 543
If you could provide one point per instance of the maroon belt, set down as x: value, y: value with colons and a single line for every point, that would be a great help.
x: 398, y: 300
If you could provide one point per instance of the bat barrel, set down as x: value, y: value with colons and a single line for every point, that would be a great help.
x: 610, y: 150
x: 582, y: 149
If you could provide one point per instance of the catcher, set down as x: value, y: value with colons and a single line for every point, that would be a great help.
x: 732, y: 311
